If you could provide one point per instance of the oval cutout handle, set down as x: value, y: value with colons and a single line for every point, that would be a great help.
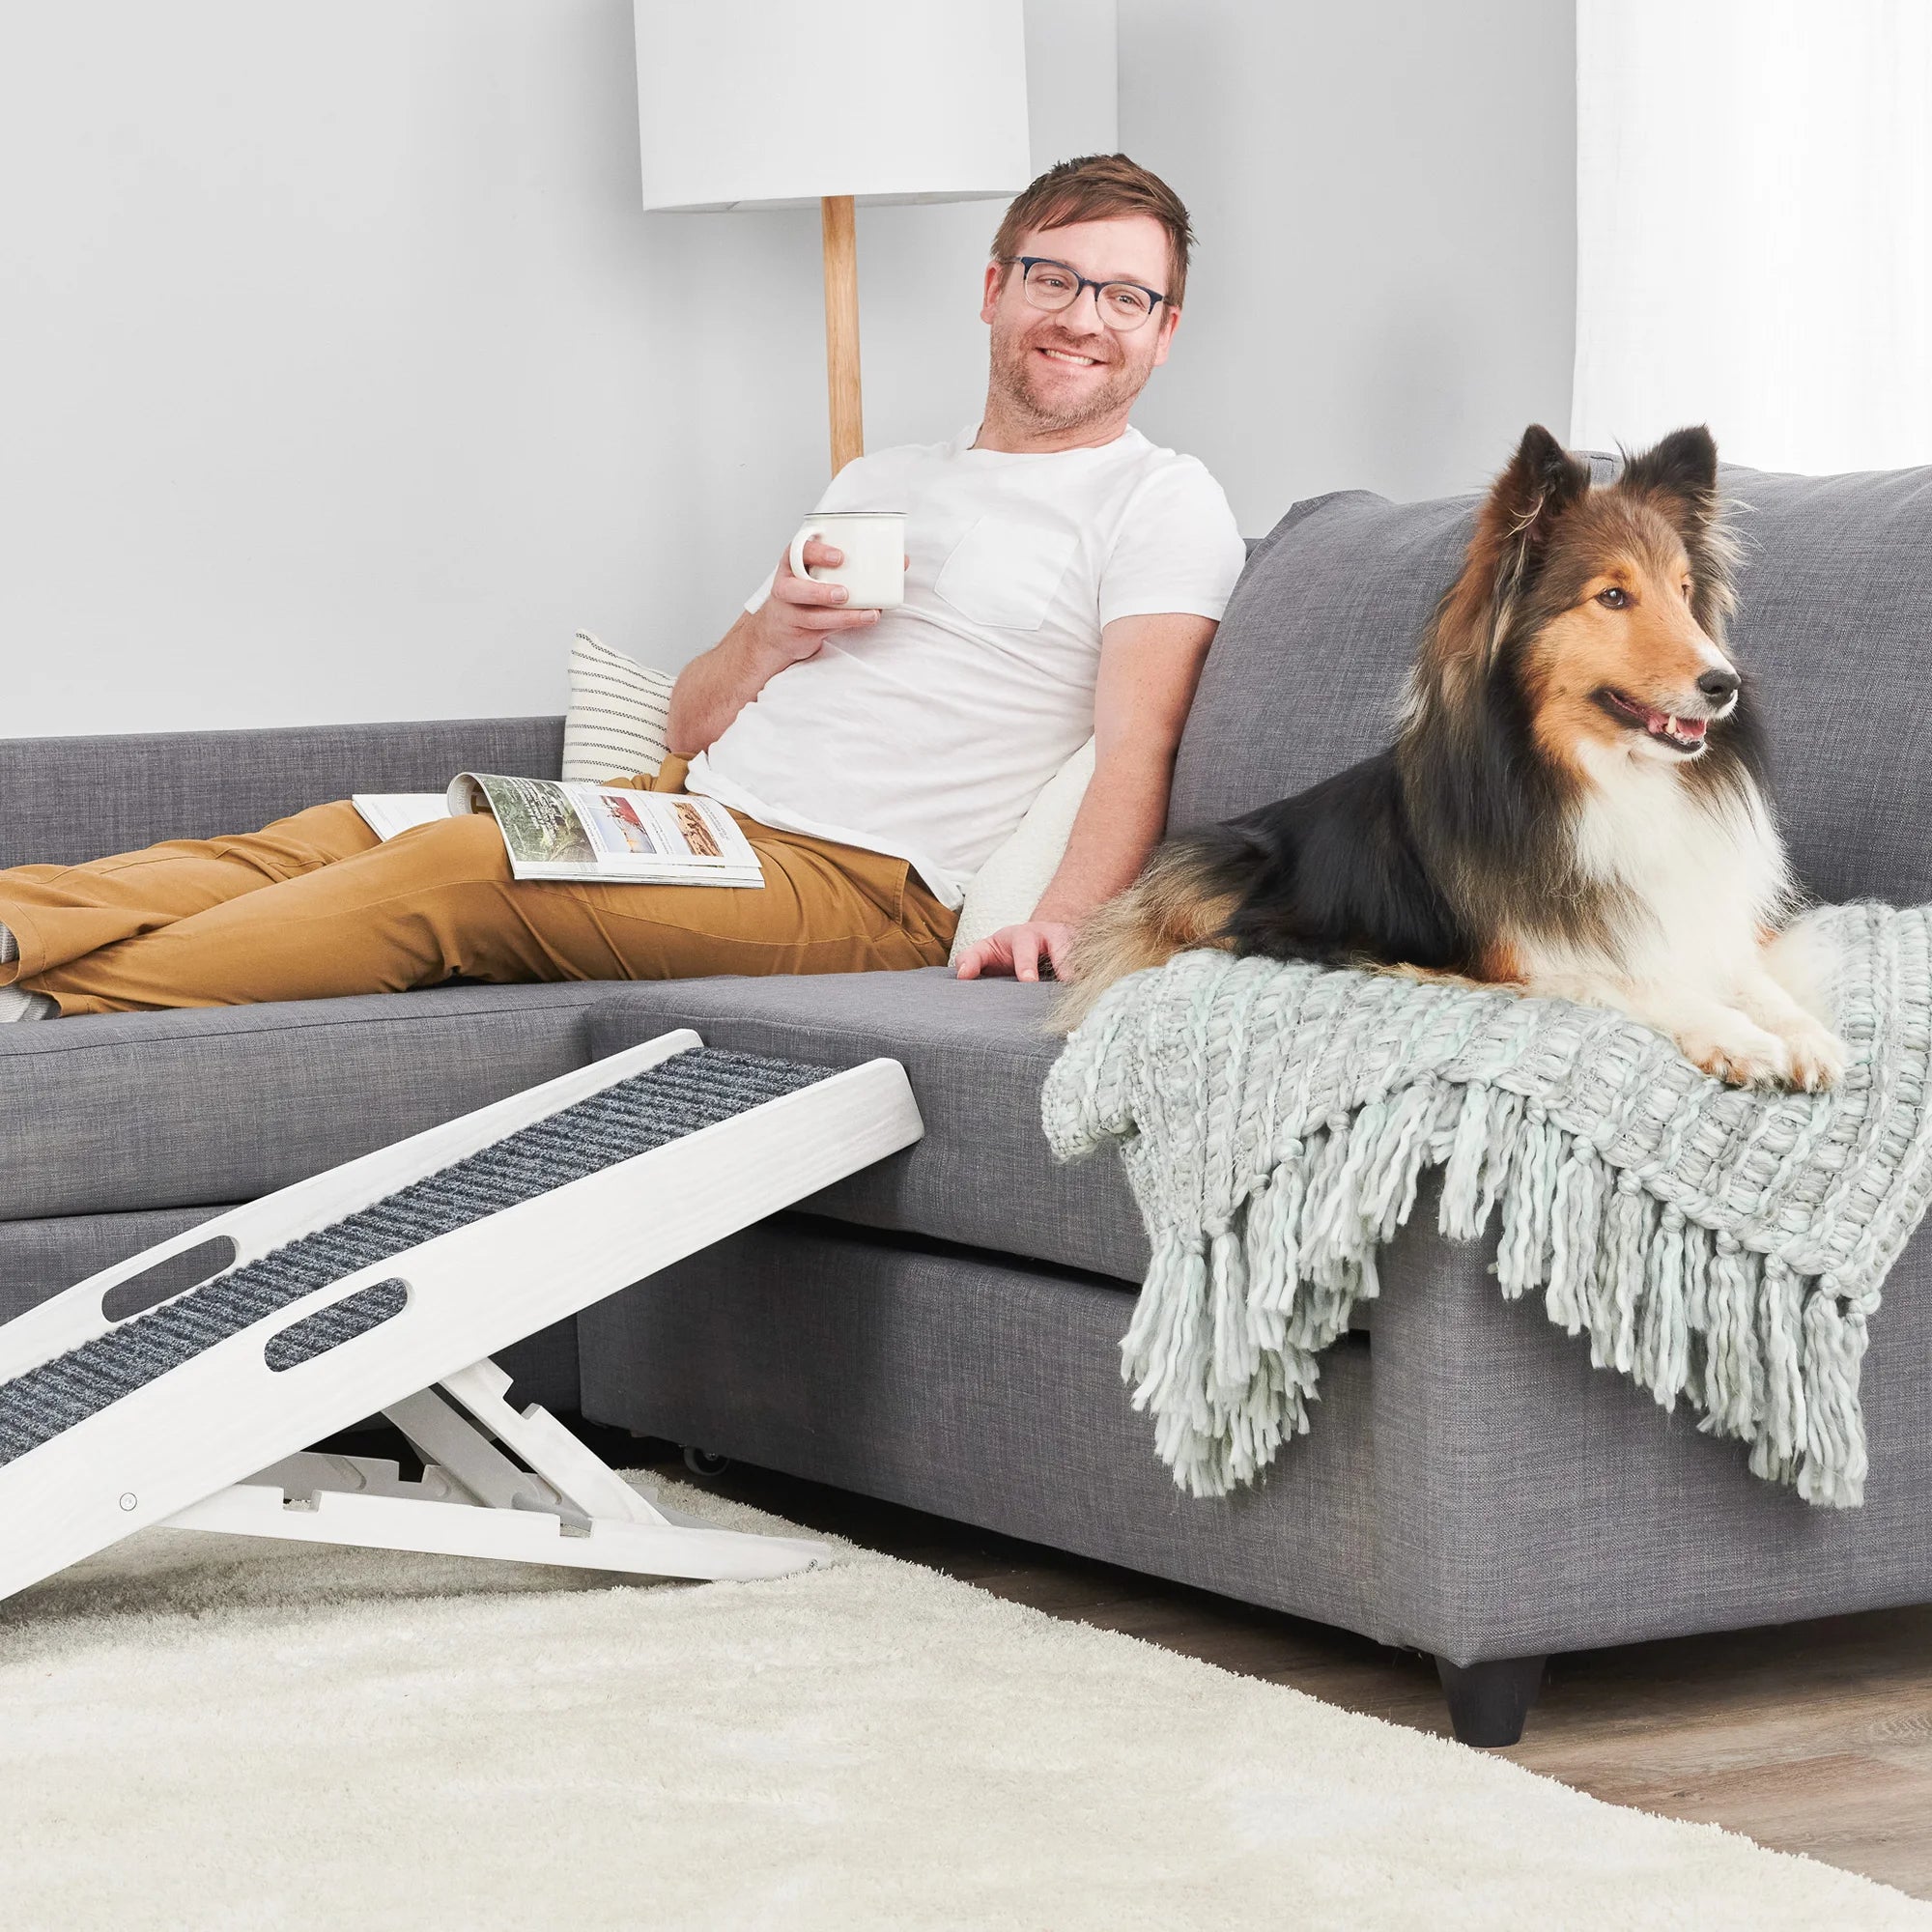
x: 341, y: 1322
x: 164, y: 1279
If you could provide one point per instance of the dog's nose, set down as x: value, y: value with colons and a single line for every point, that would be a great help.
x: 1719, y: 686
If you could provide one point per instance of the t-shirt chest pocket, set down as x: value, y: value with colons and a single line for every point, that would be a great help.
x: 1004, y: 573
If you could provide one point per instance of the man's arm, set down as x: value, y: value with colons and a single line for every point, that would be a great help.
x: 1148, y: 668
x: 786, y: 629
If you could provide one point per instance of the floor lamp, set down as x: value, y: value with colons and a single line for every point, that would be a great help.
x: 844, y: 104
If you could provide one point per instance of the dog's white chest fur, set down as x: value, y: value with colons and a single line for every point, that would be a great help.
x: 1697, y: 883
x: 1698, y: 878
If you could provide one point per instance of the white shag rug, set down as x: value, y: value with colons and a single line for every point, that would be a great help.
x: 201, y: 1731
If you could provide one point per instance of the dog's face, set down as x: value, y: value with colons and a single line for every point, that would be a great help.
x: 1621, y: 663
x: 1604, y: 606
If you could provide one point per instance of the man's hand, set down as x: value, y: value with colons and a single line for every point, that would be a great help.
x: 792, y: 623
x: 1018, y: 949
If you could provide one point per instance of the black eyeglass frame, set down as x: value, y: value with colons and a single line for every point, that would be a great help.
x: 1029, y: 263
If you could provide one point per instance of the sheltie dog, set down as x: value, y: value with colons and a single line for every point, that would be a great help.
x: 1575, y: 804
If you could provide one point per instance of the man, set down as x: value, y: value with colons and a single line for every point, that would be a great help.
x: 1064, y: 577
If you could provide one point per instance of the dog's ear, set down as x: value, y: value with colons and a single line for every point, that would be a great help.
x: 1526, y: 501
x: 1680, y: 477
x: 1683, y: 468
x: 1513, y: 527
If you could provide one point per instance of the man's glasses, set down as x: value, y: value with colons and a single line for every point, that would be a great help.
x: 1053, y: 286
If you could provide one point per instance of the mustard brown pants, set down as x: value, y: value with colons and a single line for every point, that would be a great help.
x: 315, y: 906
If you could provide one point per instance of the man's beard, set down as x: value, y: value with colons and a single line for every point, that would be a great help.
x: 1013, y: 378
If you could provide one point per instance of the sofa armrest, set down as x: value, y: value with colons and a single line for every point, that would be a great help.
x: 63, y: 800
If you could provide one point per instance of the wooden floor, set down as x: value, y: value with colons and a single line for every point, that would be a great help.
x: 1813, y: 1738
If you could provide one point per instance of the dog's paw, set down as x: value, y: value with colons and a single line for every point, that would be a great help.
x: 1815, y: 1053
x: 1734, y: 1049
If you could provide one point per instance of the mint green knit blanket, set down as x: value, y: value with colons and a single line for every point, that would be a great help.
x: 1722, y: 1247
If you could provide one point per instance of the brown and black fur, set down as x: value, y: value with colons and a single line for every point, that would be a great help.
x: 1437, y: 852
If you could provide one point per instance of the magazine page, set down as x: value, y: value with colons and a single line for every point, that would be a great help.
x: 539, y: 823
x: 693, y: 834
x: 558, y: 831
x: 388, y: 813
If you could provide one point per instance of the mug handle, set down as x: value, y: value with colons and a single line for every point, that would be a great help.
x: 798, y: 544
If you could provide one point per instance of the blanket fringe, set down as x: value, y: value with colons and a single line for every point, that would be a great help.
x: 1277, y: 1122
x: 1226, y: 1334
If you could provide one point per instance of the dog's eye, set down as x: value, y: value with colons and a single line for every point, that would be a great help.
x: 1615, y: 598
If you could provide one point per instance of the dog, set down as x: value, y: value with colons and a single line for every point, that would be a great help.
x: 1575, y: 804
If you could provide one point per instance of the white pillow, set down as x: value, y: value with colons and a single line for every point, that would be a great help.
x: 618, y: 709
x: 1006, y: 888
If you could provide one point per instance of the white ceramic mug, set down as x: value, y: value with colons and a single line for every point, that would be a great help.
x: 874, y: 545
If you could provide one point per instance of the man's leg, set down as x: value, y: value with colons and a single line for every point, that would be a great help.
x: 440, y: 901
x: 55, y: 914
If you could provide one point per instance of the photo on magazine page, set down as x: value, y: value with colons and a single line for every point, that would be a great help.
x: 540, y: 824
x: 696, y: 828
x: 614, y: 822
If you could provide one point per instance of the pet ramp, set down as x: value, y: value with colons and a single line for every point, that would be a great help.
x: 178, y: 1389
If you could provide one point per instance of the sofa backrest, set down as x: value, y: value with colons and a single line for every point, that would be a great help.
x: 1833, y: 627
x: 63, y: 800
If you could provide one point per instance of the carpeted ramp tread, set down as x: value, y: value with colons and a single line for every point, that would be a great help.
x: 691, y: 1090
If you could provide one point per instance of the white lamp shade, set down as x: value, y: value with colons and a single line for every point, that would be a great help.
x: 772, y: 103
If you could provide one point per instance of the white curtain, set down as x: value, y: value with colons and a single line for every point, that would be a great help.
x: 1754, y: 228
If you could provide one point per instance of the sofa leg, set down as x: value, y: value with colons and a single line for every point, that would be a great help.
x: 1489, y: 1701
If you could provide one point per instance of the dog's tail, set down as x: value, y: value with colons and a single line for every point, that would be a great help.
x: 1804, y: 960
x: 1184, y: 897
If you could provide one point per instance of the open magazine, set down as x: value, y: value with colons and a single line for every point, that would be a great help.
x: 556, y: 830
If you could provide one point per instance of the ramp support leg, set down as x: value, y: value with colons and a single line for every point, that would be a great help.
x: 559, y: 1503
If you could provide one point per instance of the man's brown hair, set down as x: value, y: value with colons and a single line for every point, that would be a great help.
x: 1099, y: 187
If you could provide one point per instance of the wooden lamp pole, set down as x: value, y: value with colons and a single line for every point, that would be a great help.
x: 841, y: 329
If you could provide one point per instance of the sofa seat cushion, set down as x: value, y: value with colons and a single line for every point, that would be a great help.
x: 115, y: 1113
x: 976, y: 1051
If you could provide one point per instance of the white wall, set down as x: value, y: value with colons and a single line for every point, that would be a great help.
x: 1384, y: 192
x: 345, y: 377
x: 1798, y: 324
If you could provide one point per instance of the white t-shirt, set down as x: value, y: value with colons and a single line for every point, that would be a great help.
x: 929, y: 734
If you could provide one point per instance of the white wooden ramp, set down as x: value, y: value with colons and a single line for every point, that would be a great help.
x: 181, y: 1387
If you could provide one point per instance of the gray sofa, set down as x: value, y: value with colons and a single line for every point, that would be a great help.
x: 942, y: 1329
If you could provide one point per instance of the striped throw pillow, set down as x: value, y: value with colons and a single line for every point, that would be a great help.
x: 618, y: 709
